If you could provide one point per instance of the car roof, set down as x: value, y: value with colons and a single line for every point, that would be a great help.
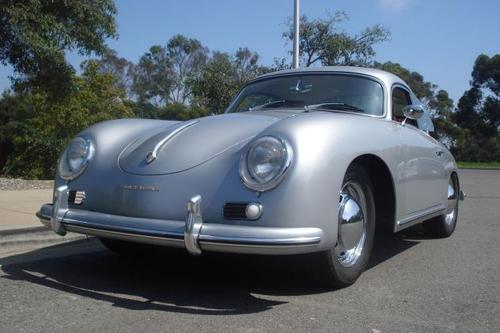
x: 388, y: 78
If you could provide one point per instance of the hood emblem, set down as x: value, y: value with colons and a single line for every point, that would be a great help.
x: 152, y: 155
x: 147, y: 188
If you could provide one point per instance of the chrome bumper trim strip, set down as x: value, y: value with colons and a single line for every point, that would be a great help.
x: 204, y: 236
x: 192, y: 228
x: 59, y: 209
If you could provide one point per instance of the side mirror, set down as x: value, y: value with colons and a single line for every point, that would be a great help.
x: 413, y: 111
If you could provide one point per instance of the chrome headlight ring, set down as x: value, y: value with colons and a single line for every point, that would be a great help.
x: 75, y: 158
x: 264, y: 163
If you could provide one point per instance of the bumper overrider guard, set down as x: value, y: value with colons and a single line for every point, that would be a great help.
x: 192, y: 234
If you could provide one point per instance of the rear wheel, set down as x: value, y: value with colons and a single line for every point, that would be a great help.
x: 444, y: 225
x: 342, y: 265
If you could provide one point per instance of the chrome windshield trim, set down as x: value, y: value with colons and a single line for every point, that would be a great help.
x: 385, y: 91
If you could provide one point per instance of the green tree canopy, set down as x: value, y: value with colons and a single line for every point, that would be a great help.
x: 34, y: 35
x: 162, y: 74
x: 120, y: 68
x: 322, y: 41
x: 222, y: 77
x: 438, y: 101
x: 49, y: 126
x: 478, y: 113
x: 216, y: 85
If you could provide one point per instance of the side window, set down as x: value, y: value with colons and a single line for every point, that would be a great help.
x: 400, y: 99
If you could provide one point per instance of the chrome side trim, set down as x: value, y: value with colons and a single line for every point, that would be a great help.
x: 419, y: 217
x: 59, y: 209
x: 152, y: 155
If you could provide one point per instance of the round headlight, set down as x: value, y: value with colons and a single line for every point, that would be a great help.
x: 75, y: 158
x: 265, y: 162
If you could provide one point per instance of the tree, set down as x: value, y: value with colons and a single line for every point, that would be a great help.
x: 321, y: 41
x: 34, y: 36
x: 222, y: 77
x: 438, y: 101
x: 120, y: 68
x: 478, y: 113
x: 486, y: 73
x: 43, y: 136
x: 14, y: 110
x: 163, y: 74
x: 187, y: 57
x: 247, y: 65
x: 153, y: 77
x: 216, y: 85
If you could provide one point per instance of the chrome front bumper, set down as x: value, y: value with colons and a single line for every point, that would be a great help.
x: 192, y: 234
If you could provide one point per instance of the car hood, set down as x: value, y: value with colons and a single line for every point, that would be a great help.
x: 184, y: 145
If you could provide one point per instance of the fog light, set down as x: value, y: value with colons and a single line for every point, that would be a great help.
x: 253, y: 211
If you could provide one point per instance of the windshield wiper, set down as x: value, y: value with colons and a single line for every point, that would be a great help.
x: 333, y: 106
x: 265, y: 105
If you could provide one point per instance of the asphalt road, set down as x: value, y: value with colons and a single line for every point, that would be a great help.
x: 413, y: 284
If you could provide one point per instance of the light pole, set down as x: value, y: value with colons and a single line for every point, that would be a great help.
x: 296, y: 23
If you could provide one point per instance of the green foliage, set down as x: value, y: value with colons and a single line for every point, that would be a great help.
x: 439, y: 102
x: 478, y: 113
x: 222, y: 77
x: 422, y: 89
x: 216, y: 85
x: 322, y: 41
x: 41, y: 136
x: 34, y: 35
x: 162, y: 74
x: 120, y: 68
x: 14, y: 110
x: 478, y: 165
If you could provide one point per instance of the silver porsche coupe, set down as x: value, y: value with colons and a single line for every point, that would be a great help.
x: 302, y: 161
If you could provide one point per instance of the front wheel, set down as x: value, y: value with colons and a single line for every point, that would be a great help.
x: 342, y: 265
x: 444, y: 225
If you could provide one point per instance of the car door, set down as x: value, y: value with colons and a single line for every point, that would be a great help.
x: 422, y: 178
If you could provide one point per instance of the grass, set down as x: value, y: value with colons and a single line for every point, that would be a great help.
x: 478, y: 165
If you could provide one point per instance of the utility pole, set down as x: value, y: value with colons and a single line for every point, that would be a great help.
x: 296, y: 23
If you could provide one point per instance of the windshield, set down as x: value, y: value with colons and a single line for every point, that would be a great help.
x: 310, y: 92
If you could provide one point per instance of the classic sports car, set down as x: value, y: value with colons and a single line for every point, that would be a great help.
x: 302, y: 161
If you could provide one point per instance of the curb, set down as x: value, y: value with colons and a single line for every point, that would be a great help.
x: 23, y: 230
x: 32, y: 237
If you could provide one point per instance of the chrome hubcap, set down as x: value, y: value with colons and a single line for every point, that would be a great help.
x: 452, y: 203
x: 352, y: 224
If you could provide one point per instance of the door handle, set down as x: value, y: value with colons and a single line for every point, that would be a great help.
x: 439, y: 153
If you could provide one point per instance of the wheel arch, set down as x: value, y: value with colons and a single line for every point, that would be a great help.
x: 383, y: 187
x: 454, y: 174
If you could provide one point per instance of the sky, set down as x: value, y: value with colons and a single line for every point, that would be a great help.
x: 438, y: 38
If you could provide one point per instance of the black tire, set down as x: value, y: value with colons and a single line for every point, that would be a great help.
x: 443, y: 226
x: 332, y: 272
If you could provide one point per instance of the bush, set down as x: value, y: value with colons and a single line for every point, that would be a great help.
x: 39, y: 138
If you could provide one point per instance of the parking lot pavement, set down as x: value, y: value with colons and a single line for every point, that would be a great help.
x: 17, y: 208
x: 413, y: 284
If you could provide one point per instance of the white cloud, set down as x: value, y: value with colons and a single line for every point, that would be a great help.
x: 395, y: 5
